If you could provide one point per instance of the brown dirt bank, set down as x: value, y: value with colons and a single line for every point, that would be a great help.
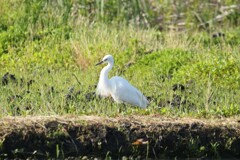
x: 134, y: 136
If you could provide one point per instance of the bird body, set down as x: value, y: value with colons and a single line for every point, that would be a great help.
x: 118, y: 88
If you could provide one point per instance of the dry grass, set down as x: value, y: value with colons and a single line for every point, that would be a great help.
x: 12, y: 122
x: 81, y: 59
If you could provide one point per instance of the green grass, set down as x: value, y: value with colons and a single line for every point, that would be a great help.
x: 49, y: 46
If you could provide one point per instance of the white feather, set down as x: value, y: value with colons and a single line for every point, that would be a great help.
x: 119, y: 88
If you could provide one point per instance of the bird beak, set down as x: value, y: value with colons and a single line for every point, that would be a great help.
x: 99, y: 63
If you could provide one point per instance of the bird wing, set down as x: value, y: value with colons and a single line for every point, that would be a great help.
x: 123, y: 91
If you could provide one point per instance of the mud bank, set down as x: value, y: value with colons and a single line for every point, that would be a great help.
x: 132, y: 137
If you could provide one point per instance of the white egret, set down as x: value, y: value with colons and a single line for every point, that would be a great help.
x: 117, y: 87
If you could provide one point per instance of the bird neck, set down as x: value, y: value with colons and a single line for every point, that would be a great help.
x: 104, y: 73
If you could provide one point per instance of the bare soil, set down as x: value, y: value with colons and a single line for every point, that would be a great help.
x: 129, y: 136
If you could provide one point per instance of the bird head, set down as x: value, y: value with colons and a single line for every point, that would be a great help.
x: 106, y: 59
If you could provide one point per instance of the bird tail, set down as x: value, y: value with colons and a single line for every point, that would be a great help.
x: 144, y: 102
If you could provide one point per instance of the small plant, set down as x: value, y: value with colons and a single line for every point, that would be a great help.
x: 214, y: 149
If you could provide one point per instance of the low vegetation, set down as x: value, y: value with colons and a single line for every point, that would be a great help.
x: 185, y: 59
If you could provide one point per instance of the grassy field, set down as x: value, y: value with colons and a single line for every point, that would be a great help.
x: 183, y: 55
x: 51, y: 55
